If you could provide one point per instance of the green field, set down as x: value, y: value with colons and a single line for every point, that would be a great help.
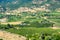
x: 35, y: 33
x: 34, y: 25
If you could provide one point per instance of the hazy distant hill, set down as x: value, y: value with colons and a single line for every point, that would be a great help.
x: 14, y: 4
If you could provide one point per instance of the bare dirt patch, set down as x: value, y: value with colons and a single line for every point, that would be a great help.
x: 10, y: 36
x: 14, y: 23
x: 55, y: 27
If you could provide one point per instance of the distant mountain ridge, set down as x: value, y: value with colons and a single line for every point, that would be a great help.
x: 14, y: 4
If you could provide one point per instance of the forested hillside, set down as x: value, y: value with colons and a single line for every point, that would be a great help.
x: 14, y: 4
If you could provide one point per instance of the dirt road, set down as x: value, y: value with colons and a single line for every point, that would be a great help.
x: 14, y: 23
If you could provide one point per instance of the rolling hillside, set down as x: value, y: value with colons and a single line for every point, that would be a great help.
x: 15, y: 4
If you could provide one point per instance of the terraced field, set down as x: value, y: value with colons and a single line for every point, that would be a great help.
x: 55, y: 17
x: 33, y: 25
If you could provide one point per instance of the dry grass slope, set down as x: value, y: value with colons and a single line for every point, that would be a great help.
x: 10, y: 36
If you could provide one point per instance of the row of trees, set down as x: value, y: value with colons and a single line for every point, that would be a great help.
x: 6, y: 26
x: 43, y: 23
